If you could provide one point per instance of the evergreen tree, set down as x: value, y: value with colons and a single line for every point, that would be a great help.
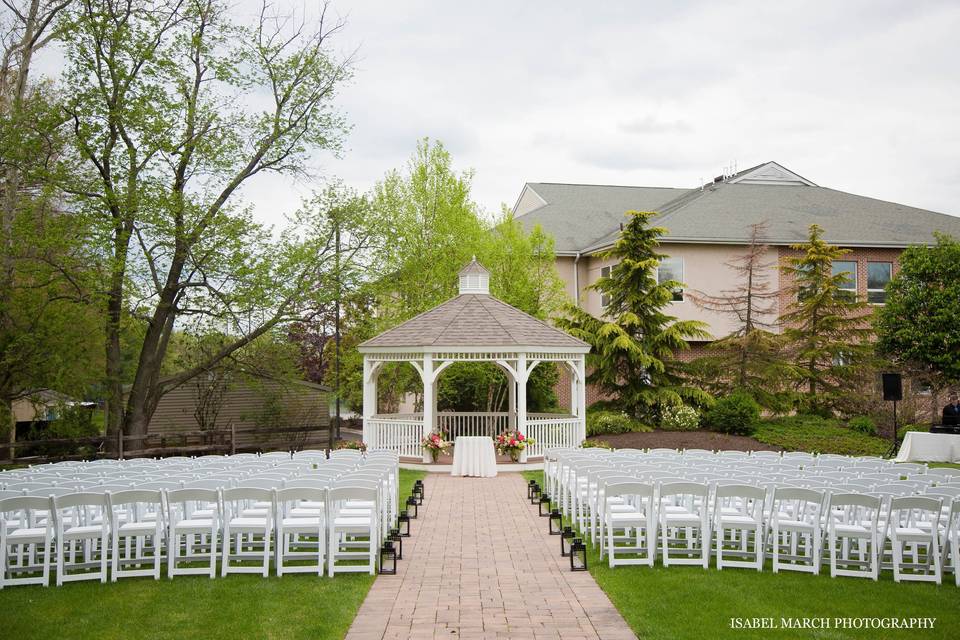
x: 826, y: 327
x: 632, y: 358
x: 751, y: 357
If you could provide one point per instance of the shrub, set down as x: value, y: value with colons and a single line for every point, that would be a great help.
x: 863, y: 424
x: 679, y: 418
x: 595, y: 444
x: 610, y: 422
x: 735, y: 414
x: 902, y: 431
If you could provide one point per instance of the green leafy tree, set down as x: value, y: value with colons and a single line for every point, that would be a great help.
x: 173, y: 108
x: 827, y: 329
x: 750, y: 358
x: 634, y: 345
x: 430, y: 229
x: 918, y: 326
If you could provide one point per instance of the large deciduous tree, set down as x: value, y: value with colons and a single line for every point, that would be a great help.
x: 750, y: 358
x: 826, y: 326
x: 634, y: 345
x: 173, y: 108
x: 918, y: 327
x: 47, y: 333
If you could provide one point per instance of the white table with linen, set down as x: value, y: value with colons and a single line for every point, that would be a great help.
x: 474, y: 456
x: 919, y: 446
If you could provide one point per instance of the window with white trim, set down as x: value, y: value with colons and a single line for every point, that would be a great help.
x: 879, y: 275
x: 848, y: 268
x: 604, y: 298
x: 671, y: 268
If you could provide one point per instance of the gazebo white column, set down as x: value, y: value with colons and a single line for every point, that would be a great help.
x: 521, y: 396
x: 429, y: 397
x: 512, y: 404
x: 582, y: 397
x: 369, y: 398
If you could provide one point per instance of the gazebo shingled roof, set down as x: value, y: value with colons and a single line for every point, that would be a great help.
x: 474, y: 320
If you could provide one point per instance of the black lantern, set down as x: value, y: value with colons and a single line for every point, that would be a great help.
x: 578, y: 555
x: 397, y: 540
x: 403, y: 524
x: 556, y: 522
x: 544, y: 507
x: 566, y: 540
x: 535, y: 494
x: 388, y: 559
x: 419, y: 491
x: 412, y: 507
x: 530, y: 486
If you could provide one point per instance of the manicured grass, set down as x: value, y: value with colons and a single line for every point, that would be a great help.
x: 806, y: 433
x: 238, y: 606
x: 690, y: 602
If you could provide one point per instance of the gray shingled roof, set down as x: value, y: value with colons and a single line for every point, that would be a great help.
x: 474, y: 267
x: 577, y: 215
x: 474, y: 320
x: 584, y: 218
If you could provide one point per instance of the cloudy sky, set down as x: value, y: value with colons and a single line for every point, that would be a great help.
x: 859, y: 95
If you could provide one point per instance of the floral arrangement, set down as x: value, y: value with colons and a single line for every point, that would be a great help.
x: 351, y: 444
x: 436, y: 444
x: 679, y: 418
x: 512, y: 442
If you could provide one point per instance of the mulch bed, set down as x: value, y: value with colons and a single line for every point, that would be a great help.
x: 684, y: 440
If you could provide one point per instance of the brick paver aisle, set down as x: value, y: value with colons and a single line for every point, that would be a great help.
x: 481, y: 565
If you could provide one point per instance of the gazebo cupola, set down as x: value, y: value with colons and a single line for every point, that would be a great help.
x: 473, y: 327
x: 474, y: 278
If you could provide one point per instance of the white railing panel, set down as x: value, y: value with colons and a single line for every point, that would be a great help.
x: 549, y: 433
x: 402, y: 436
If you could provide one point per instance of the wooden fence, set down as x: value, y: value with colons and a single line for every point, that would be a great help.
x: 184, y: 443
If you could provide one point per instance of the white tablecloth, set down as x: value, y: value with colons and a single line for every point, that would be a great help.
x: 919, y: 446
x: 474, y: 456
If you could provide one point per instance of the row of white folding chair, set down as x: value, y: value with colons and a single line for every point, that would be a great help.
x: 855, y: 534
x: 84, y: 521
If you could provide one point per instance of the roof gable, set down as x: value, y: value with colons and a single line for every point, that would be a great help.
x: 770, y: 173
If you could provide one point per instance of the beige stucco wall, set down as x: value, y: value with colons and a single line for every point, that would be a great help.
x: 704, y: 270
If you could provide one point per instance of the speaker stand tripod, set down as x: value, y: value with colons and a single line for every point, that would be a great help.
x: 895, y: 448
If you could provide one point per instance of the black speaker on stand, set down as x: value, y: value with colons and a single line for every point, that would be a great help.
x: 893, y: 392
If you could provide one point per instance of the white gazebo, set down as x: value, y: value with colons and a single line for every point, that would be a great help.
x: 473, y: 327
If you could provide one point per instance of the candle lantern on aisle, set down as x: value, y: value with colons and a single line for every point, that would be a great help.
x: 530, y: 486
x: 566, y: 541
x: 388, y: 559
x: 403, y: 524
x: 412, y: 509
x: 397, y: 540
x: 419, y: 491
x: 556, y: 522
x: 535, y: 494
x: 578, y: 555
x: 544, y: 506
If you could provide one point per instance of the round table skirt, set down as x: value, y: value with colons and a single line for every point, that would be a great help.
x: 474, y: 456
x: 919, y: 446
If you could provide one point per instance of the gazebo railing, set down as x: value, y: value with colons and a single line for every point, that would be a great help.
x: 477, y: 423
x: 549, y: 431
x: 399, y: 433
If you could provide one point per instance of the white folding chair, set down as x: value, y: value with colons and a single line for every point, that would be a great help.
x: 346, y: 532
x: 738, y: 510
x: 795, y: 524
x: 684, y: 523
x: 950, y: 553
x: 194, y: 515
x: 852, y: 521
x: 300, y: 531
x: 239, y: 521
x: 634, y: 517
x: 81, y: 520
x: 915, y: 521
x: 29, y: 545
x: 136, y: 520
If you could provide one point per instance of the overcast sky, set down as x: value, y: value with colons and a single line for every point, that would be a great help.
x: 862, y: 96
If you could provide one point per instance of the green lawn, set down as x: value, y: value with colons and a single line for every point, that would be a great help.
x: 238, y: 606
x: 690, y: 602
x: 808, y: 433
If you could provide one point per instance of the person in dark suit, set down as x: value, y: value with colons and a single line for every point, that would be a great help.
x: 951, y: 412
